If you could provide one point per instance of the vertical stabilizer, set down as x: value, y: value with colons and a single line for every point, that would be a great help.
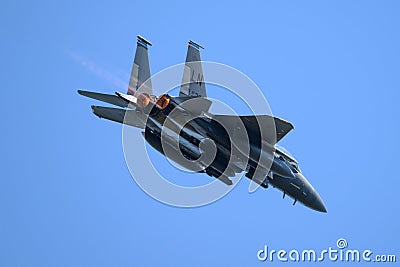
x: 193, y: 78
x: 140, y: 75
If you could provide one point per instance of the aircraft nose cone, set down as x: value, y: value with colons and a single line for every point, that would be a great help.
x: 318, y: 204
x: 313, y: 200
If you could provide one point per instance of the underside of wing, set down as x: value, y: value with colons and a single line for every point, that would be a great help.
x: 254, y: 123
x: 129, y: 117
x: 273, y: 128
x: 283, y: 127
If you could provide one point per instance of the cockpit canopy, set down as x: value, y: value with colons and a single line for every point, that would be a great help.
x: 282, y: 153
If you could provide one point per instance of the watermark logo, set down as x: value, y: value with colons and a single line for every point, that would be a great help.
x: 341, y: 243
x: 340, y: 253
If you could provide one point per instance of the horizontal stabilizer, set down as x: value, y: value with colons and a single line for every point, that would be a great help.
x: 111, y: 99
x: 133, y: 118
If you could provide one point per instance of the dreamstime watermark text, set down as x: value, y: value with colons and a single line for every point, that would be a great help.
x: 340, y: 253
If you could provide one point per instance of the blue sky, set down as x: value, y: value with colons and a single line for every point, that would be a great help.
x: 66, y: 195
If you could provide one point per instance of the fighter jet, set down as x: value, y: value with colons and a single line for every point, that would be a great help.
x: 259, y: 156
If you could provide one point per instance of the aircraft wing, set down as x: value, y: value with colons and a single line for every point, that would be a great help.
x: 130, y: 117
x: 282, y: 127
x: 255, y: 122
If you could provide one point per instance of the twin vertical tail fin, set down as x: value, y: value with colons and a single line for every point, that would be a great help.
x: 140, y: 75
x: 193, y: 78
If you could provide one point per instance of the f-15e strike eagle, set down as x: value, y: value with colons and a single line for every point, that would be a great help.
x: 264, y: 162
